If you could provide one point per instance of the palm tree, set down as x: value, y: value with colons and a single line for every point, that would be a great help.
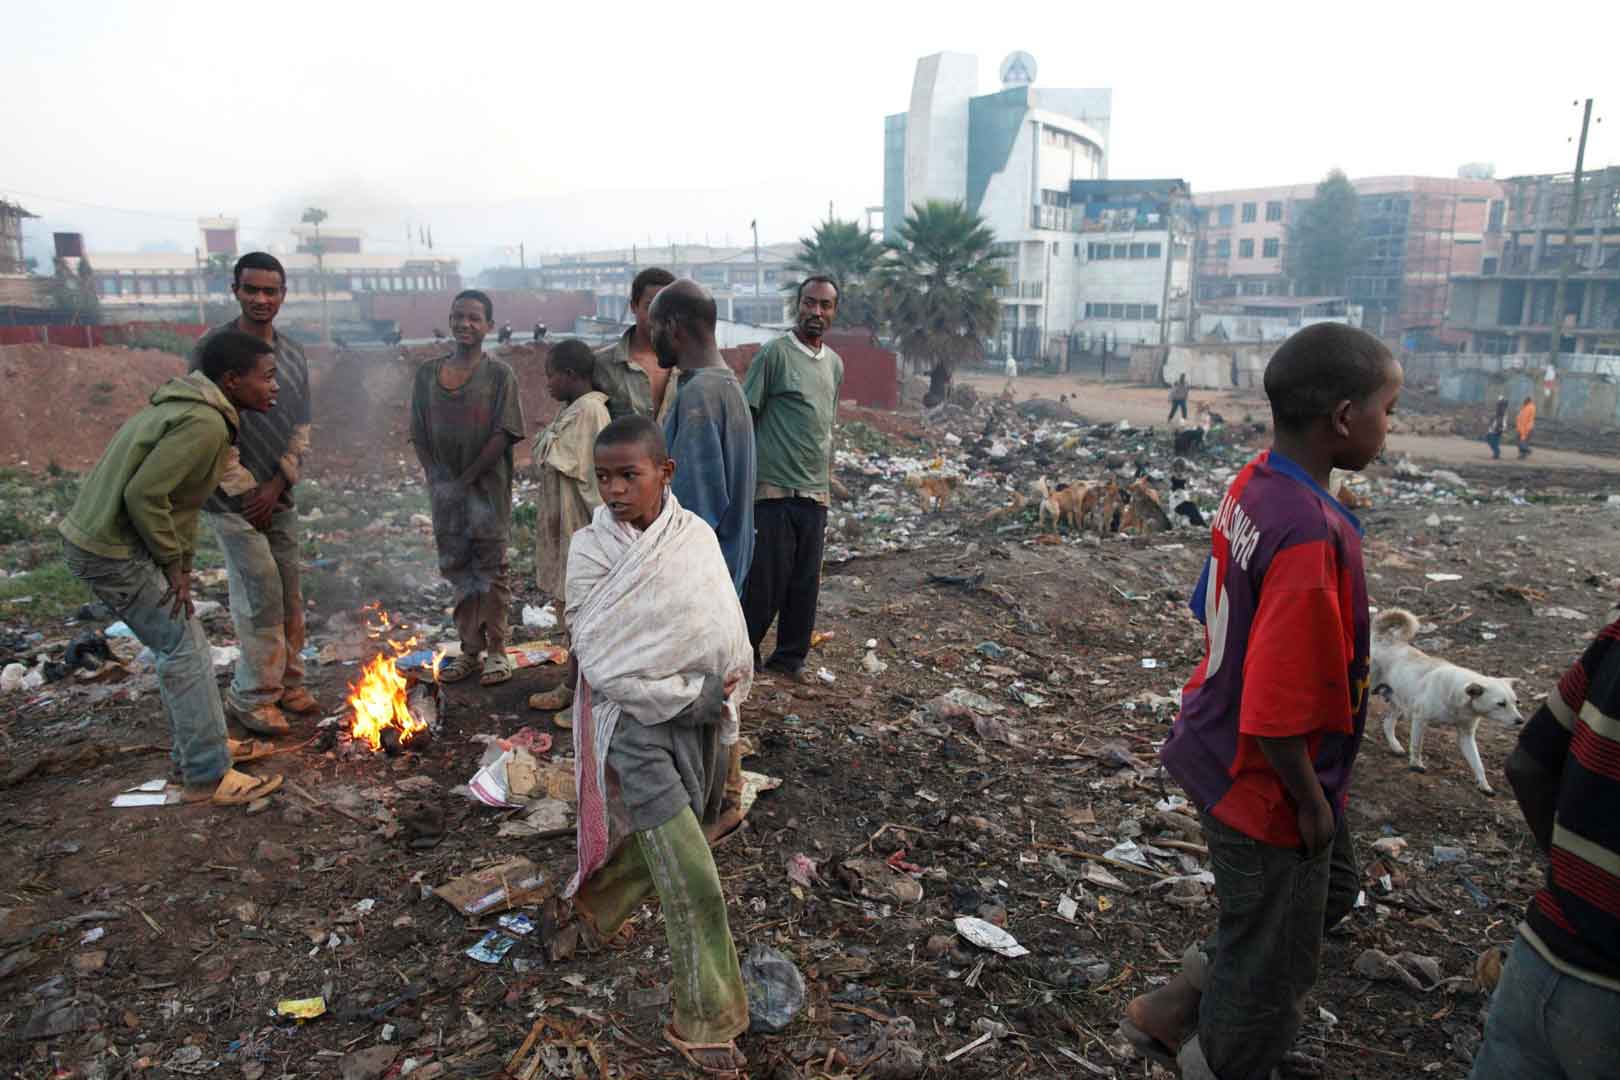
x: 939, y: 288
x: 846, y: 252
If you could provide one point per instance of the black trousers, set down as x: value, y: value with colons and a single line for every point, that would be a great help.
x: 785, y: 578
x: 1175, y: 405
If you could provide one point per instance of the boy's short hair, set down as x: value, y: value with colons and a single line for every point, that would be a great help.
x: 481, y: 297
x: 654, y: 277
x: 232, y: 351
x: 1320, y: 366
x: 572, y: 357
x: 820, y: 279
x: 635, y: 429
x: 258, y: 260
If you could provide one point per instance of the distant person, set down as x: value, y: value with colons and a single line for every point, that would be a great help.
x: 1549, y: 384
x: 465, y: 418
x: 627, y: 371
x: 1179, y: 393
x: 539, y: 332
x: 710, y: 435
x: 1272, y: 718
x: 1525, y: 424
x: 1011, y: 367
x: 792, y: 389
x: 1556, y: 1012
x: 1493, y: 434
x: 438, y: 334
x: 131, y: 538
x: 505, y: 335
x: 253, y: 517
x: 568, y: 495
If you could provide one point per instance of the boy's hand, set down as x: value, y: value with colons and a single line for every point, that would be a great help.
x: 732, y: 682
x: 178, y: 596
x: 1316, y: 824
x: 260, y: 503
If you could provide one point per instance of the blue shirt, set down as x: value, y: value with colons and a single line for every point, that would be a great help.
x: 710, y: 433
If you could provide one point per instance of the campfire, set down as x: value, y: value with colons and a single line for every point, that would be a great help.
x: 390, y: 709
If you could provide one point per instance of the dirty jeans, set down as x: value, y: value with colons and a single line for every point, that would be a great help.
x: 267, y: 606
x: 1494, y: 440
x: 1174, y: 406
x: 1276, y: 903
x: 477, y: 573
x: 1548, y: 1025
x: 785, y: 577
x: 133, y: 588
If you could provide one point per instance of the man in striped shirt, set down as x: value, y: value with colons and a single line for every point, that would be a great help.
x: 1556, y: 1012
x: 252, y: 515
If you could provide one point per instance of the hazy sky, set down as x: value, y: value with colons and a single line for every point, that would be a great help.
x: 582, y: 125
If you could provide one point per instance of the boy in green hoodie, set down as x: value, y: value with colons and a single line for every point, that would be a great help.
x: 132, y: 533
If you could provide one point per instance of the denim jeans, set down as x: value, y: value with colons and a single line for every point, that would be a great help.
x: 133, y: 589
x: 267, y: 606
x: 1548, y: 1025
x: 1494, y: 440
x: 1276, y: 903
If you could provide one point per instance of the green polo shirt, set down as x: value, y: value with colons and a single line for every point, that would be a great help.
x: 794, y: 397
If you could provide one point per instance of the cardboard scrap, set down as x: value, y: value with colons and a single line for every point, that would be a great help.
x: 505, y: 885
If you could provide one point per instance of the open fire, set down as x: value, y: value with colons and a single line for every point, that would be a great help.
x: 385, y: 714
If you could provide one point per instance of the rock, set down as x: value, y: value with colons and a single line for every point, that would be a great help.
x: 367, y: 1064
x: 938, y: 945
x: 272, y: 852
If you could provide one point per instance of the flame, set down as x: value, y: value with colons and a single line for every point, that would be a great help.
x: 378, y: 702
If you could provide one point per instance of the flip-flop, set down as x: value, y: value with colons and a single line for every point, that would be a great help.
x: 497, y: 669
x: 687, y: 1049
x: 459, y: 667
x: 238, y: 788
x: 245, y: 750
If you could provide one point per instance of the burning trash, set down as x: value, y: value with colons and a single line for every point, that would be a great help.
x: 389, y: 709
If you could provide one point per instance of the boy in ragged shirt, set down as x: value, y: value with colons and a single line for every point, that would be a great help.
x: 465, y: 417
x: 1272, y: 719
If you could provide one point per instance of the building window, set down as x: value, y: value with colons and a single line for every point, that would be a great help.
x: 1223, y: 248
x: 1122, y: 251
x: 1250, y: 210
x: 1254, y: 288
x: 1271, y: 248
x: 1150, y: 311
x: 1057, y: 248
x: 1273, y: 211
x: 1155, y: 250
x: 1116, y: 311
x: 1077, y: 250
x: 1133, y: 311
x: 1223, y: 214
x: 1245, y: 249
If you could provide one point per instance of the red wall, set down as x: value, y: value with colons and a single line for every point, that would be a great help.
x: 871, y: 372
x: 418, y: 313
x: 86, y: 337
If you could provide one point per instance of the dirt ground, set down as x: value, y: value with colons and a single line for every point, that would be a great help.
x: 1064, y: 655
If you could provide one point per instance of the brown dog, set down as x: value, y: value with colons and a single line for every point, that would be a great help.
x: 1144, y: 513
x: 933, y: 489
x: 1062, y: 500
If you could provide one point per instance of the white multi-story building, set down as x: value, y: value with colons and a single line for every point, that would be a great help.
x: 1011, y: 157
x: 1134, y: 255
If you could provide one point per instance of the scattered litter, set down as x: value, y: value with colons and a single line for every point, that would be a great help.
x: 1068, y: 907
x: 872, y: 665
x: 534, y: 653
x: 152, y: 793
x: 1561, y: 613
x: 1446, y: 854
x: 825, y: 677
x: 225, y: 655
x: 93, y: 935
x: 492, y: 947
x: 517, y: 922
x: 776, y: 991
x: 1443, y: 577
x: 505, y: 885
x: 802, y: 870
x: 1391, y: 846
x: 539, y: 618
x: 301, y: 1008
x: 1405, y: 968
x: 874, y: 879
x: 1149, y: 663
x: 1093, y: 874
x: 989, y: 936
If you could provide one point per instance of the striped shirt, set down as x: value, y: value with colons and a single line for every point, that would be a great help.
x: 1574, y: 921
x: 271, y: 441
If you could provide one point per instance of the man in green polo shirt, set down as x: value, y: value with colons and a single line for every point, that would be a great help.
x: 792, y: 389
x: 627, y: 371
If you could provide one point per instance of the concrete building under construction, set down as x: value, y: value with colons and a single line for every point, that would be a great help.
x: 1506, y: 307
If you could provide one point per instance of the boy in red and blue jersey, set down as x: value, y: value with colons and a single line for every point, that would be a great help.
x: 1272, y: 719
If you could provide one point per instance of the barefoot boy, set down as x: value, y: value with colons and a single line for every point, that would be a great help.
x: 664, y: 662
x: 566, y: 469
x: 1272, y: 719
x: 132, y: 532
x: 465, y: 418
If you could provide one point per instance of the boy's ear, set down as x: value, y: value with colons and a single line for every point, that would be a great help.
x: 1340, y: 417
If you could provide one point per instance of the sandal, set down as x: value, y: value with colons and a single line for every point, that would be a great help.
x: 458, y: 667
x: 497, y: 669
x: 687, y: 1050
x: 245, y: 750
x: 233, y: 789
x: 556, y: 699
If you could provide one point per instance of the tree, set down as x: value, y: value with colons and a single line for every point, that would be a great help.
x: 314, y: 215
x: 939, y: 288
x: 846, y: 252
x: 75, y: 292
x: 1326, y: 243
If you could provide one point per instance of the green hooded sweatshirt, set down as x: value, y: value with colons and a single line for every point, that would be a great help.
x: 155, y: 475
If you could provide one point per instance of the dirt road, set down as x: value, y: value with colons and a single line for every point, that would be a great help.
x: 1146, y: 405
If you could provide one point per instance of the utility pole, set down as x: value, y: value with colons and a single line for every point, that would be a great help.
x: 1557, y: 335
x: 202, y: 285
x: 314, y: 215
x: 759, y: 276
x: 522, y: 257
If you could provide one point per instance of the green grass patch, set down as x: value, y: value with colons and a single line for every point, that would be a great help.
x: 50, y: 592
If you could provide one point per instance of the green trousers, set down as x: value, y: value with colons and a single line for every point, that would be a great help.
x: 674, y: 861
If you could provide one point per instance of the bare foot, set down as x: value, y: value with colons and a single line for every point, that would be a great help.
x: 1168, y: 1014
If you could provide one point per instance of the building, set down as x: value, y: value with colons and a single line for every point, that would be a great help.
x: 1505, y: 305
x: 1417, y: 232
x: 178, y: 285
x: 11, y: 238
x: 1010, y: 157
x: 1269, y: 318
x: 1133, y: 271
x: 23, y: 296
x: 743, y: 292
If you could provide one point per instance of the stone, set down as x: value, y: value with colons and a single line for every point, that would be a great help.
x: 270, y: 851
x: 367, y: 1064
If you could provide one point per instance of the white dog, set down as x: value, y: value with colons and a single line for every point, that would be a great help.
x: 1427, y: 690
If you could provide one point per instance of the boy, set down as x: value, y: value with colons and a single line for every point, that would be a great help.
x: 566, y: 469
x: 664, y: 662
x: 1556, y: 1012
x: 1525, y: 424
x: 465, y: 418
x: 1493, y: 434
x: 1272, y: 718
x: 252, y: 515
x: 132, y: 534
